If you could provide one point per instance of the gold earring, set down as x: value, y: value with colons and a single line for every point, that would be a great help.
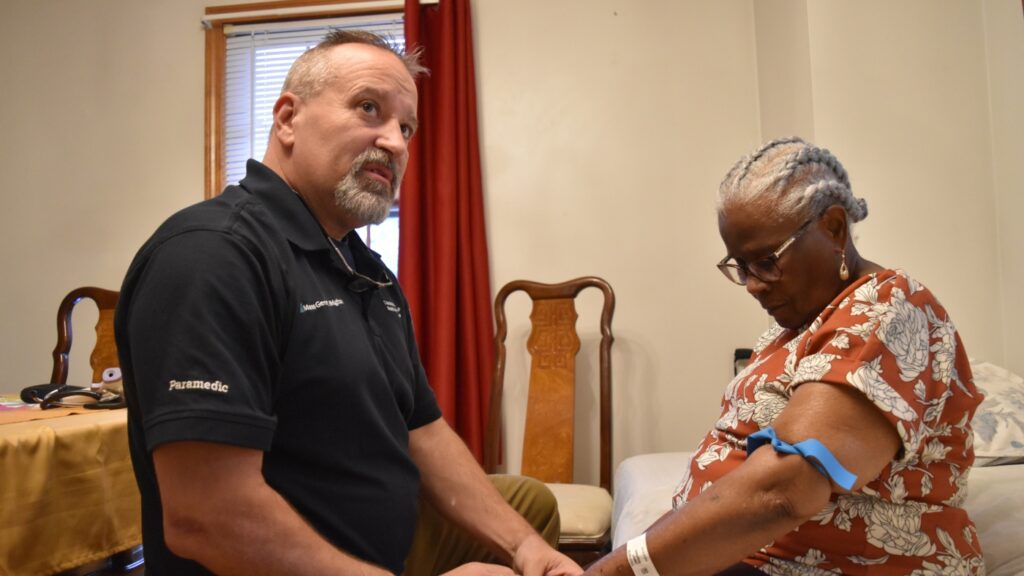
x: 844, y: 272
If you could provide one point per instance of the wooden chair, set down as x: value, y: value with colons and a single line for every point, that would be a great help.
x: 548, y: 439
x: 104, y: 354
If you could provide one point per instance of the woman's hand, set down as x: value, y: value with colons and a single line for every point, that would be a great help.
x: 535, y: 558
x: 480, y: 569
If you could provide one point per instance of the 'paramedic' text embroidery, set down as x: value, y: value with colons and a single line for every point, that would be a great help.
x: 217, y: 386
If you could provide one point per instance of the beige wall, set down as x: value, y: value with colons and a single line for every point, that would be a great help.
x: 1005, y: 58
x: 900, y: 93
x: 609, y: 162
x: 600, y: 155
x: 103, y: 121
x: 606, y: 126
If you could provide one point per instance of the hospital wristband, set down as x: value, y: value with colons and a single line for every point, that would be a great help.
x: 639, y: 558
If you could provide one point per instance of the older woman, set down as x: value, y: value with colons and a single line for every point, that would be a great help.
x: 844, y: 446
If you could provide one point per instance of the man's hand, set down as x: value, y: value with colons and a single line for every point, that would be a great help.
x: 461, y: 492
x: 480, y: 569
x: 535, y: 558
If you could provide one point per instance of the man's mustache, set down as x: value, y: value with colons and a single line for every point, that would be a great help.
x: 378, y: 156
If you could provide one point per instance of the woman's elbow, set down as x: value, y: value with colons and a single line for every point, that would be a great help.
x: 794, y: 507
x: 792, y: 490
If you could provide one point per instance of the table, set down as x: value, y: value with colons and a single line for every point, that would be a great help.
x: 67, y: 492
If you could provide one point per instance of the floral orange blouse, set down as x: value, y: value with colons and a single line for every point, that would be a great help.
x: 887, y: 336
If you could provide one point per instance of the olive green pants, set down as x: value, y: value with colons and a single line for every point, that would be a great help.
x: 439, y: 545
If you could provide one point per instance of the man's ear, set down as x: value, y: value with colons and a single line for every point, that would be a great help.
x: 285, y: 110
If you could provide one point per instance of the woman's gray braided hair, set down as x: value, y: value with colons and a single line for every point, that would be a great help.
x: 792, y: 177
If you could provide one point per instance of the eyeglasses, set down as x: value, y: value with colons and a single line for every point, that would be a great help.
x: 359, y: 283
x: 70, y: 397
x: 64, y: 396
x: 765, y: 269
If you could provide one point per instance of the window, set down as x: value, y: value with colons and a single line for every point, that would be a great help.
x: 246, y: 67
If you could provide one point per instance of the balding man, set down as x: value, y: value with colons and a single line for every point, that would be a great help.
x: 280, y: 419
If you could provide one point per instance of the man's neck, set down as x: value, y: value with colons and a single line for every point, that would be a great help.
x: 324, y: 210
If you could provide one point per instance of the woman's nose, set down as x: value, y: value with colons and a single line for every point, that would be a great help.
x: 755, y: 285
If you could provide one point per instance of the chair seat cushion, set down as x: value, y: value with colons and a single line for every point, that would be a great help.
x: 586, y: 511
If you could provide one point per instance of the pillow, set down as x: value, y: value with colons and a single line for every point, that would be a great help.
x: 999, y: 420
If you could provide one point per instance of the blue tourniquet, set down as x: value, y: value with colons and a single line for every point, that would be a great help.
x: 811, y: 450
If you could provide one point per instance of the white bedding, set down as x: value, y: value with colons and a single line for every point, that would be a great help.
x: 995, y: 501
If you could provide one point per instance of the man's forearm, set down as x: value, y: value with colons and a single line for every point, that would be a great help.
x: 462, y: 493
x: 219, y: 511
x: 259, y: 534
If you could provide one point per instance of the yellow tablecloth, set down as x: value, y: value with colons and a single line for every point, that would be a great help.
x: 67, y: 492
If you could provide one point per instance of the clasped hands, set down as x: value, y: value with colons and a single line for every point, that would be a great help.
x: 532, y: 558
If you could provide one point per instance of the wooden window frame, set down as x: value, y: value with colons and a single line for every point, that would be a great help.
x: 216, y: 17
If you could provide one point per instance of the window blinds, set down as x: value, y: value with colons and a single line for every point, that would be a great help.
x: 257, y: 59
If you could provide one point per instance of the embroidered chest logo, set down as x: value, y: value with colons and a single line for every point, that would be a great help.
x: 392, y: 307
x: 313, y: 306
x: 216, y: 386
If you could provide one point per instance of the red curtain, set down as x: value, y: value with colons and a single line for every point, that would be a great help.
x: 442, y: 261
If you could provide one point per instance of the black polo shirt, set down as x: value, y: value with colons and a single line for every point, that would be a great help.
x: 238, y: 323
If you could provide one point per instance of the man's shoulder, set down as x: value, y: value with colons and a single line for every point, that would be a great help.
x: 234, y: 216
x: 234, y: 225
x: 223, y: 245
x: 220, y: 213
